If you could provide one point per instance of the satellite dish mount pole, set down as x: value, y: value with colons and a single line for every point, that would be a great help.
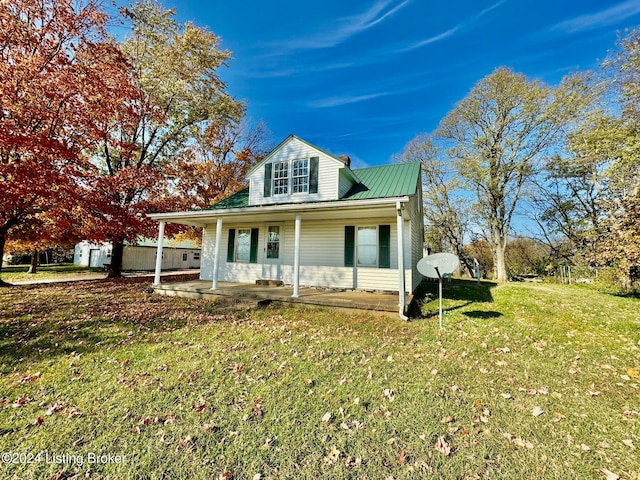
x: 439, y: 297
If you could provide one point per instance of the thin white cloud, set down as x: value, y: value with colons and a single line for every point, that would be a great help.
x: 603, y: 18
x: 450, y: 32
x: 342, y: 28
x: 345, y: 100
x: 356, y: 98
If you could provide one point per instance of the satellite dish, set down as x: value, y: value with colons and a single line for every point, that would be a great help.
x: 445, y: 263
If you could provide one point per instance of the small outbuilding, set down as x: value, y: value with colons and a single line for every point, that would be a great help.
x: 140, y: 255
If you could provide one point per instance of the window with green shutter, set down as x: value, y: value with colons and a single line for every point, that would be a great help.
x: 384, y: 246
x: 231, y: 245
x: 253, y: 249
x: 349, y: 245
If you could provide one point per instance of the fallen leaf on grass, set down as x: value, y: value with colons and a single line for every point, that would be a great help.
x: 447, y: 419
x: 609, y: 474
x: 37, y: 422
x: 506, y: 396
x: 326, y: 417
x: 20, y: 401
x: 332, y: 456
x: 629, y: 443
x: 351, y: 462
x: 186, y: 443
x: 442, y: 446
x: 633, y: 373
x: 592, y: 390
x: 584, y: 447
x: 266, y: 445
x: 30, y: 378
x: 390, y: 394
x: 537, y: 411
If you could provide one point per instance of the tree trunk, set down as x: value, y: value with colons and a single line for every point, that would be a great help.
x: 115, y: 268
x: 500, y: 264
x: 33, y: 268
x: 2, y: 242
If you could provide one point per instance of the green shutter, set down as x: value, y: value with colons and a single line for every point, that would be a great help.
x: 231, y: 245
x: 253, y: 253
x: 384, y: 246
x: 267, y: 179
x: 349, y: 245
x: 313, y: 174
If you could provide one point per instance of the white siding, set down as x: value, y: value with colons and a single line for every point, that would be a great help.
x: 135, y: 258
x: 144, y: 258
x: 345, y: 183
x: 321, y: 256
x: 82, y: 254
x: 294, y: 149
x: 417, y: 235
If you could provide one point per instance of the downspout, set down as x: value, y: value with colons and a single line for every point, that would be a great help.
x: 402, y: 304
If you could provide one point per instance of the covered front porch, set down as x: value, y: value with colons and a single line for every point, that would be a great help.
x: 310, y: 247
x: 375, y: 301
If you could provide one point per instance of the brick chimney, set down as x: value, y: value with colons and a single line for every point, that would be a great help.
x: 346, y: 160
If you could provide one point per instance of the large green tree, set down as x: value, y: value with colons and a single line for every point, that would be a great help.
x: 446, y: 210
x: 497, y: 137
x: 613, y: 142
x: 175, y: 67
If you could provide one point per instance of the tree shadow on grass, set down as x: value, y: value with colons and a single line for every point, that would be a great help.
x: 481, y: 314
x: 464, y: 292
x: 46, y: 321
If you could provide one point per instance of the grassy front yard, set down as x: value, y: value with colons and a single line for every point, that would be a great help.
x: 525, y: 381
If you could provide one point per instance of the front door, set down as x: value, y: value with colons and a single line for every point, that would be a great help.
x: 272, y: 266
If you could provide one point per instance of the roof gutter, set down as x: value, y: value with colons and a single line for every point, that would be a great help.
x: 293, y: 208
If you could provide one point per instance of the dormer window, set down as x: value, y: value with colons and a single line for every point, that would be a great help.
x: 280, y: 178
x: 286, y: 177
x: 300, y: 178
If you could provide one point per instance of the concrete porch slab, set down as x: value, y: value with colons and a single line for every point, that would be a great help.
x: 384, y: 302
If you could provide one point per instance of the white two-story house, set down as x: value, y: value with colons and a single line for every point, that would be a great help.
x: 308, y: 219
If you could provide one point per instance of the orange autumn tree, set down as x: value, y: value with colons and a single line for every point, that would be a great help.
x: 59, y: 73
x: 214, y: 167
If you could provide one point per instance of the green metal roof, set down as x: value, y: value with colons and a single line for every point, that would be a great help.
x: 237, y: 200
x: 386, y: 181
x: 376, y: 182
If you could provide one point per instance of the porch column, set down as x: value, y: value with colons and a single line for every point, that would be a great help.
x: 401, y: 287
x: 216, y: 254
x: 296, y: 260
x: 156, y: 278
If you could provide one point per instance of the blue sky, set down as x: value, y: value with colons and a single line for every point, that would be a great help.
x: 364, y: 77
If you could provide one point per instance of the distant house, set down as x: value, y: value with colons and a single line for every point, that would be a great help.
x: 139, y: 256
x: 308, y: 219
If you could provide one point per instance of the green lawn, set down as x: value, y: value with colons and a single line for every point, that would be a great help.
x: 18, y: 273
x: 525, y: 381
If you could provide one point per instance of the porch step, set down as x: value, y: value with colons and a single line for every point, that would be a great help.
x: 269, y: 283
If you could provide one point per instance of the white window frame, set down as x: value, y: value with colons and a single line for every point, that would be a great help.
x: 280, y: 180
x: 300, y: 182
x: 375, y: 245
x: 237, y: 245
